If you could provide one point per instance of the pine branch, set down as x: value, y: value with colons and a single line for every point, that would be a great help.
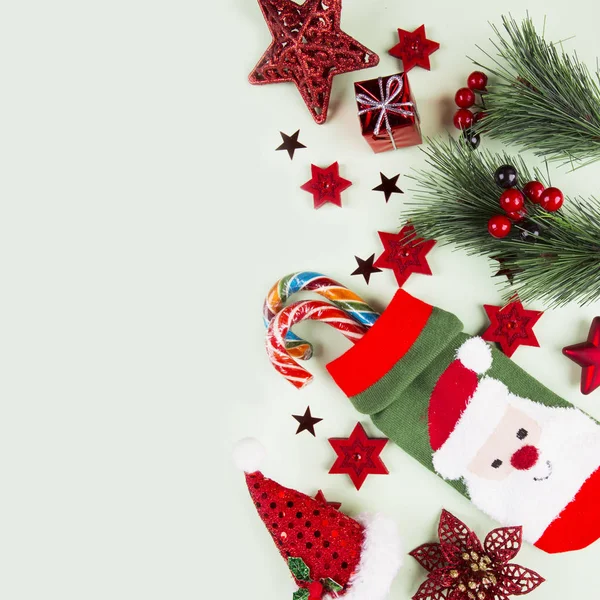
x: 457, y: 195
x: 541, y: 98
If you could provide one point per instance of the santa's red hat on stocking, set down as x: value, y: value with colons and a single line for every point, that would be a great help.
x: 464, y: 411
x: 329, y: 554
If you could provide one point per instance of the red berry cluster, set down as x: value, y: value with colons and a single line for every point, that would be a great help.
x: 512, y: 200
x: 465, y: 99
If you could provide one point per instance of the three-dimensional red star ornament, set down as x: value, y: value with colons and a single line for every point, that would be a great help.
x: 366, y: 268
x: 320, y: 497
x: 326, y: 185
x: 404, y: 253
x: 309, y: 49
x: 587, y: 356
x: 414, y: 48
x: 358, y: 456
x: 511, y: 326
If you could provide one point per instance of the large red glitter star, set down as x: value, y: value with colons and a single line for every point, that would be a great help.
x: 358, y: 456
x: 309, y: 49
x: 326, y: 185
x: 511, y: 326
x: 414, y: 48
x: 587, y: 355
x: 404, y: 253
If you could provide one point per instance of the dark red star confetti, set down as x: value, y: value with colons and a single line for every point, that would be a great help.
x: 320, y: 497
x: 290, y: 143
x: 404, y: 253
x: 366, y: 267
x: 462, y: 568
x: 505, y: 271
x: 307, y: 422
x: 587, y: 356
x: 358, y: 456
x: 388, y: 186
x: 511, y: 326
x: 309, y: 49
x: 326, y: 185
x: 414, y: 48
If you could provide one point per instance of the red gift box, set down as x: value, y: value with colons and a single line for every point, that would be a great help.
x: 388, y: 113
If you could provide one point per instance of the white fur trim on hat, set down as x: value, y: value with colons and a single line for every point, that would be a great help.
x: 477, y: 422
x: 476, y: 355
x: 380, y: 559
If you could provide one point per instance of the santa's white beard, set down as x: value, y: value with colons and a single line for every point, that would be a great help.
x: 569, y: 450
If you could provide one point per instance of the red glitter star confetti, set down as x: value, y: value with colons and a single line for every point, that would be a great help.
x: 326, y: 185
x: 462, y: 568
x: 404, y: 253
x: 309, y: 49
x: 358, y: 456
x: 511, y: 326
x: 414, y: 48
x: 320, y: 497
x: 587, y: 356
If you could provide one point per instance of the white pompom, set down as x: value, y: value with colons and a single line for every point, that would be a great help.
x: 476, y: 355
x: 248, y: 455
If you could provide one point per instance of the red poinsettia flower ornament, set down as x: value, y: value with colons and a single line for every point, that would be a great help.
x: 462, y: 568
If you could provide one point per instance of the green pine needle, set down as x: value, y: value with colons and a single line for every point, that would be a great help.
x: 540, y: 97
x: 455, y: 199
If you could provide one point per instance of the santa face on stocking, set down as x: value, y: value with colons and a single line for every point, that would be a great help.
x: 524, y: 463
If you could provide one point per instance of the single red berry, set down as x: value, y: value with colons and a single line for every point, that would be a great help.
x: 518, y: 215
x: 465, y: 98
x: 499, y: 226
x: 315, y: 590
x: 478, y: 116
x: 534, y: 190
x: 552, y: 199
x: 463, y: 119
x: 511, y: 200
x: 477, y: 81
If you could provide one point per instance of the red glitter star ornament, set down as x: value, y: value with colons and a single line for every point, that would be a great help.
x: 405, y: 253
x: 309, y: 49
x: 320, y: 497
x: 358, y: 456
x: 414, y: 49
x: 511, y: 326
x: 587, y: 355
x: 326, y: 185
x: 462, y: 568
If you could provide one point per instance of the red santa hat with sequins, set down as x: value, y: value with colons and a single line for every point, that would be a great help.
x: 329, y: 554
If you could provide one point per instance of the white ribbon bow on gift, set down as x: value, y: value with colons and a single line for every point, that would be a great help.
x: 386, y: 105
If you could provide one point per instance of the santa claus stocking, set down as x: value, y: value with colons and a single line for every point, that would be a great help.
x: 468, y: 413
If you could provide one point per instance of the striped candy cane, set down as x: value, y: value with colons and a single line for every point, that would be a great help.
x: 337, y: 293
x: 280, y: 325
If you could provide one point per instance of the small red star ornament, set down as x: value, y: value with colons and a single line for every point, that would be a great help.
x: 309, y: 49
x: 414, y: 48
x: 404, y: 253
x: 587, y: 356
x: 462, y: 568
x: 511, y: 326
x: 358, y: 456
x: 326, y: 185
x: 320, y: 497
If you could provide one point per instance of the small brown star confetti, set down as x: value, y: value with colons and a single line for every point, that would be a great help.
x: 307, y: 422
x: 290, y: 143
x: 388, y: 186
x: 366, y: 267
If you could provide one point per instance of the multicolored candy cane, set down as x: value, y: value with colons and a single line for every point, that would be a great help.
x: 280, y: 325
x: 337, y: 293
